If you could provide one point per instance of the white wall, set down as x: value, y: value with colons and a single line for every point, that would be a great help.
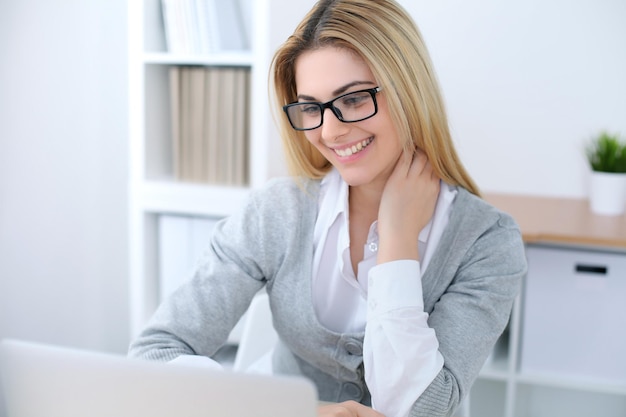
x: 526, y: 84
x: 63, y: 172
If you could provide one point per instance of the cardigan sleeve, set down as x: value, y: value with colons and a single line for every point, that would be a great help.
x: 245, y: 252
x: 473, y: 311
x: 198, y: 317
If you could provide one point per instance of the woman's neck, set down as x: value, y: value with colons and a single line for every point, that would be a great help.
x: 363, y: 202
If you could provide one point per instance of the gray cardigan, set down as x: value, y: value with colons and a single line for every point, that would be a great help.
x: 468, y: 289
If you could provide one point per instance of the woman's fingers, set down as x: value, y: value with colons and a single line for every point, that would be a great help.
x: 406, y: 206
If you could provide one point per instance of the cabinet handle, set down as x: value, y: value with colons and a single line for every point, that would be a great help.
x: 591, y: 269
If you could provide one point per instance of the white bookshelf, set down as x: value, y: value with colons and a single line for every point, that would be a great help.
x: 152, y: 188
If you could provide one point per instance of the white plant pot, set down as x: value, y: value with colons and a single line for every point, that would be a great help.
x: 607, y: 194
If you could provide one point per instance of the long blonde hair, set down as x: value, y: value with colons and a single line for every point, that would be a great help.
x: 386, y: 37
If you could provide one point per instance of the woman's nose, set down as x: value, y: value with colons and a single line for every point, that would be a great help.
x: 332, y: 127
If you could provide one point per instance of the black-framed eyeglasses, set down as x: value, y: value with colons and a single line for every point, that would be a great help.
x: 349, y: 108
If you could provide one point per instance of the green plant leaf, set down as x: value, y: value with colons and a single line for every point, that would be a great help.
x: 607, y: 153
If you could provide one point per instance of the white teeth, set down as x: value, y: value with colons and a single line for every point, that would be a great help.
x: 354, y: 149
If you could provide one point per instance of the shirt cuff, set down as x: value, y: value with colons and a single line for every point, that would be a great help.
x: 394, y: 285
x: 196, y: 361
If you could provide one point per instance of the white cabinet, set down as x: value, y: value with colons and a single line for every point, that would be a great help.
x: 563, y: 352
x: 574, y: 321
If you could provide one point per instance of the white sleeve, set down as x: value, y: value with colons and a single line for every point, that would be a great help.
x: 400, y: 352
x: 196, y: 361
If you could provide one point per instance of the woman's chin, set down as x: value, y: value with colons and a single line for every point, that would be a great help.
x: 358, y: 179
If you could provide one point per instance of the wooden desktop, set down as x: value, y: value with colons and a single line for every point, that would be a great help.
x: 566, y: 221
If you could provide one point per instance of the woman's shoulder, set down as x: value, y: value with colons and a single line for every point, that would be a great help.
x: 273, y: 211
x: 475, y: 223
x: 290, y: 184
x: 286, y: 192
x: 478, y: 230
x: 469, y: 207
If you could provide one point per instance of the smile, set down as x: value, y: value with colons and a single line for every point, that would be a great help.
x: 354, y: 148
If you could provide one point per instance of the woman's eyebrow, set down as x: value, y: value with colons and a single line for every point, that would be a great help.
x: 343, y: 89
x: 338, y: 91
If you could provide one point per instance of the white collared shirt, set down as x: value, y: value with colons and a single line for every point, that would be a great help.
x: 384, y: 300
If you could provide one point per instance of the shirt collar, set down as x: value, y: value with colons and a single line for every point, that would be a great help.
x: 333, y: 184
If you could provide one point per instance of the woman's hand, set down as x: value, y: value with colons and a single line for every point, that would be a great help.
x: 347, y: 409
x: 406, y: 206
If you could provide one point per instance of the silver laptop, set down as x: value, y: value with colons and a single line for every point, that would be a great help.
x: 49, y: 381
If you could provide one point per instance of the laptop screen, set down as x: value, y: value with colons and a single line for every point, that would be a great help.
x: 49, y: 381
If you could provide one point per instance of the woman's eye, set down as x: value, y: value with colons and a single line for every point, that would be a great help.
x: 310, y: 110
x: 353, y: 101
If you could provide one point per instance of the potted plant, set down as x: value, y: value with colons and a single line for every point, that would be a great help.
x: 606, y: 154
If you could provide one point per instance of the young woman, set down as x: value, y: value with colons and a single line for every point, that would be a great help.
x: 389, y: 278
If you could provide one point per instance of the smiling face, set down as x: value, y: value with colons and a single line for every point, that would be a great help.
x: 363, y: 152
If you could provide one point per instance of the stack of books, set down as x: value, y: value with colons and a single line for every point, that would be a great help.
x: 200, y: 27
x: 209, y: 117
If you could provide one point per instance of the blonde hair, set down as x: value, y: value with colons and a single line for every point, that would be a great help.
x: 385, y: 36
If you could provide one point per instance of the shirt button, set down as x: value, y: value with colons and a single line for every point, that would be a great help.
x: 373, y: 246
x: 354, y: 348
x: 351, y: 391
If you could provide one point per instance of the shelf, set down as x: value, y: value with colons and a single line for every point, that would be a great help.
x: 535, y: 400
x: 488, y: 398
x: 575, y: 383
x: 496, y: 370
x: 231, y: 59
x: 189, y: 199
